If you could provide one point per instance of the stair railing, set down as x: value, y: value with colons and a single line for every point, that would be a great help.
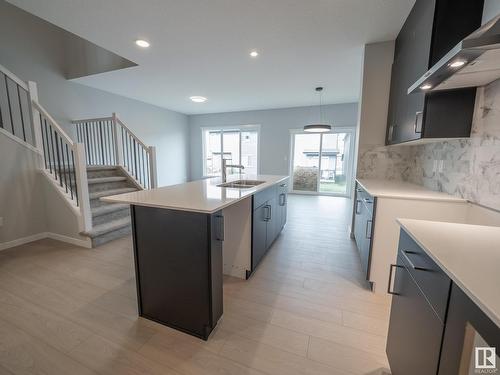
x: 64, y: 162
x: 108, y: 141
x: 24, y: 120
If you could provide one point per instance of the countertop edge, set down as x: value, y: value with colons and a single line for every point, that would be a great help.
x: 491, y: 314
x: 448, y: 198
x: 256, y: 189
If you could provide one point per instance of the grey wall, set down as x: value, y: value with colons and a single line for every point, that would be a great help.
x: 22, y: 203
x: 275, y: 131
x: 33, y: 50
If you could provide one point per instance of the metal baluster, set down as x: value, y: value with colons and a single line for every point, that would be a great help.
x: 44, y: 148
x: 58, y: 158
x: 52, y: 148
x: 110, y: 144
x: 149, y: 171
x: 69, y: 172
x: 21, y: 112
x: 143, y: 169
x: 8, y: 101
x: 64, y: 166
x: 74, y: 176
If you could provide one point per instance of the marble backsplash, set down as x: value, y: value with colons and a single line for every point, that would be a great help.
x: 469, y: 168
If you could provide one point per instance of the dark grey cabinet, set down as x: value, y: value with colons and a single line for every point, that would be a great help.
x: 364, y: 214
x: 178, y: 263
x: 269, y: 218
x: 434, y: 326
x: 415, y: 331
x: 432, y: 28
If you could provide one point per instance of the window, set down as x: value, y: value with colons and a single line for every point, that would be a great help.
x: 238, y: 145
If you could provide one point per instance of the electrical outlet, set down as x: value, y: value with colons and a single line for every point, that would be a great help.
x: 441, y: 166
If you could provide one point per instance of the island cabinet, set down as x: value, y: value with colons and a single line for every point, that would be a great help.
x: 432, y: 28
x: 364, y: 214
x: 178, y: 261
x: 269, y: 217
x: 434, y: 326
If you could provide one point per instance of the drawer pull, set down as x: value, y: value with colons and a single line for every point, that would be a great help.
x: 357, y: 207
x: 368, y: 232
x: 405, y: 254
x: 368, y: 200
x: 390, y: 279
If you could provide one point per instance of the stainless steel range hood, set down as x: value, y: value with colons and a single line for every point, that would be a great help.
x: 475, y: 61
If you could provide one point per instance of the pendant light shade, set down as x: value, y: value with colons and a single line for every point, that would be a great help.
x: 321, y: 126
x: 317, y: 128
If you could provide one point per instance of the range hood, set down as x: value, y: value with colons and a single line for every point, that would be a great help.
x: 475, y: 61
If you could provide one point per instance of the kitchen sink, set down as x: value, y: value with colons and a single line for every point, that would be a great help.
x: 241, y: 184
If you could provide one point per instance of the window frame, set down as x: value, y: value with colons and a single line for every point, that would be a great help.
x: 240, y: 128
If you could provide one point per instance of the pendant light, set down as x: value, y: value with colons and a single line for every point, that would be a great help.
x: 321, y: 126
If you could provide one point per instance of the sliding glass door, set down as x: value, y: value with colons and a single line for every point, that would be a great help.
x: 322, y: 163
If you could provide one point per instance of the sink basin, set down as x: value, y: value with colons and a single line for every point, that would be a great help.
x: 241, y: 184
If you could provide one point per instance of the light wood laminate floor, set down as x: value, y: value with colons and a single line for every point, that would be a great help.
x: 69, y: 310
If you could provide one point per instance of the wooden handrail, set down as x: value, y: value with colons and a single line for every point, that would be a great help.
x: 97, y: 119
x: 53, y: 122
x: 132, y: 134
x: 13, y: 77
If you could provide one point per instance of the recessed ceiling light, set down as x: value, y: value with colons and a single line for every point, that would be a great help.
x: 142, y: 43
x: 198, y: 99
x: 254, y: 54
x: 457, y: 64
x: 426, y: 87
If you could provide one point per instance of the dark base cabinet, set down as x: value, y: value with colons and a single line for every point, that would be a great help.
x: 269, y: 217
x: 434, y: 326
x: 464, y: 323
x: 178, y: 260
x: 364, y: 216
x: 415, y: 330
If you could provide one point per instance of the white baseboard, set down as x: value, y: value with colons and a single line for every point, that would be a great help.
x: 39, y: 236
x: 75, y: 241
x: 22, y: 241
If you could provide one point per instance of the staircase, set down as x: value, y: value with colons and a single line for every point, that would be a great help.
x: 109, y: 220
x: 106, y: 159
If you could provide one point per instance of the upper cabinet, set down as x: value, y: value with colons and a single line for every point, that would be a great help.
x: 432, y: 28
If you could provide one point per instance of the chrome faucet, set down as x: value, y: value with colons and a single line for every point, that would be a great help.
x: 225, y: 166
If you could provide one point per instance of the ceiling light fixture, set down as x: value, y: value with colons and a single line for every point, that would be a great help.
x: 457, y: 64
x: 321, y: 126
x: 142, y: 43
x: 426, y: 87
x: 198, y: 99
x: 254, y: 54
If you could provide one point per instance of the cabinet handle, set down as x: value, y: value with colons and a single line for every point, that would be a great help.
x: 390, y: 279
x: 221, y: 228
x: 270, y: 212
x: 357, y: 207
x: 368, y: 200
x: 368, y: 234
x: 283, y: 185
x: 405, y: 254
x: 282, y: 202
x: 391, y: 132
x: 267, y: 215
x: 418, y: 115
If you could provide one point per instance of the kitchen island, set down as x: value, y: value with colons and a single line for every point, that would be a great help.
x: 186, y: 236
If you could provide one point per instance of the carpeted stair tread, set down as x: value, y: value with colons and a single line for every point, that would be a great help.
x: 111, y: 226
x: 107, y: 193
x: 103, y: 180
x: 108, y: 208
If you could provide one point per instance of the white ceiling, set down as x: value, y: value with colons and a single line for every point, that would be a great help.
x: 201, y: 47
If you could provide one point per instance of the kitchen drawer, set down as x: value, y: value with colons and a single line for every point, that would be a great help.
x: 263, y: 196
x: 363, y: 196
x: 433, y: 282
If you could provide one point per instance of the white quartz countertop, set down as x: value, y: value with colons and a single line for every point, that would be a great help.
x: 468, y: 254
x: 196, y: 196
x: 404, y: 190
